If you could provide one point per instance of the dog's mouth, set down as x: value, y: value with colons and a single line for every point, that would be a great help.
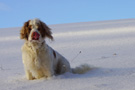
x: 35, y: 36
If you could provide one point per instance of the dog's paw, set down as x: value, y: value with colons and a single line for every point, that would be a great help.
x: 51, y: 77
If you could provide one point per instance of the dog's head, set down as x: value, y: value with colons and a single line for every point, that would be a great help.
x: 35, y: 31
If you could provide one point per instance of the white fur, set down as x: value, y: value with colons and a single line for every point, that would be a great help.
x: 34, y: 22
x: 40, y: 61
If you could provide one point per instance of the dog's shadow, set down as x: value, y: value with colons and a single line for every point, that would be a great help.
x: 99, y: 73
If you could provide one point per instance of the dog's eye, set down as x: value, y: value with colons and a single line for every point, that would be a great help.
x: 39, y: 28
x: 30, y: 28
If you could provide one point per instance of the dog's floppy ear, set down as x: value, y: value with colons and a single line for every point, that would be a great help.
x: 24, y: 32
x: 45, y: 31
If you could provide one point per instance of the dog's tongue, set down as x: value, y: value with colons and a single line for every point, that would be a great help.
x: 35, y: 36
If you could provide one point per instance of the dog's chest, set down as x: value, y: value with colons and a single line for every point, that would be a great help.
x: 37, y: 57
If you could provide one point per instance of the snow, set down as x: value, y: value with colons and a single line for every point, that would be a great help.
x: 108, y: 46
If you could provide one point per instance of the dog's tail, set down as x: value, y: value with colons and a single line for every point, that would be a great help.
x: 82, y: 69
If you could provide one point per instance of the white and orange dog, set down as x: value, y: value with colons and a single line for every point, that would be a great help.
x: 39, y: 59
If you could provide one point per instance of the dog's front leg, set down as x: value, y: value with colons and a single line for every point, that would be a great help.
x: 29, y: 75
x: 49, y: 72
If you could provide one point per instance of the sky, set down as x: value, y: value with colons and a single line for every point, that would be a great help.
x: 13, y: 13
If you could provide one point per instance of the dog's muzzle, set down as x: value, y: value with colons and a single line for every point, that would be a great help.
x: 35, y: 36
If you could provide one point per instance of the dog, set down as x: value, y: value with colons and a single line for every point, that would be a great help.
x: 39, y: 59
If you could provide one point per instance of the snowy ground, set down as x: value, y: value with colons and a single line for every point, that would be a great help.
x: 107, y: 45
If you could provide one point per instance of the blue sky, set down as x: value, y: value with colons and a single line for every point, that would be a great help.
x: 13, y: 13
